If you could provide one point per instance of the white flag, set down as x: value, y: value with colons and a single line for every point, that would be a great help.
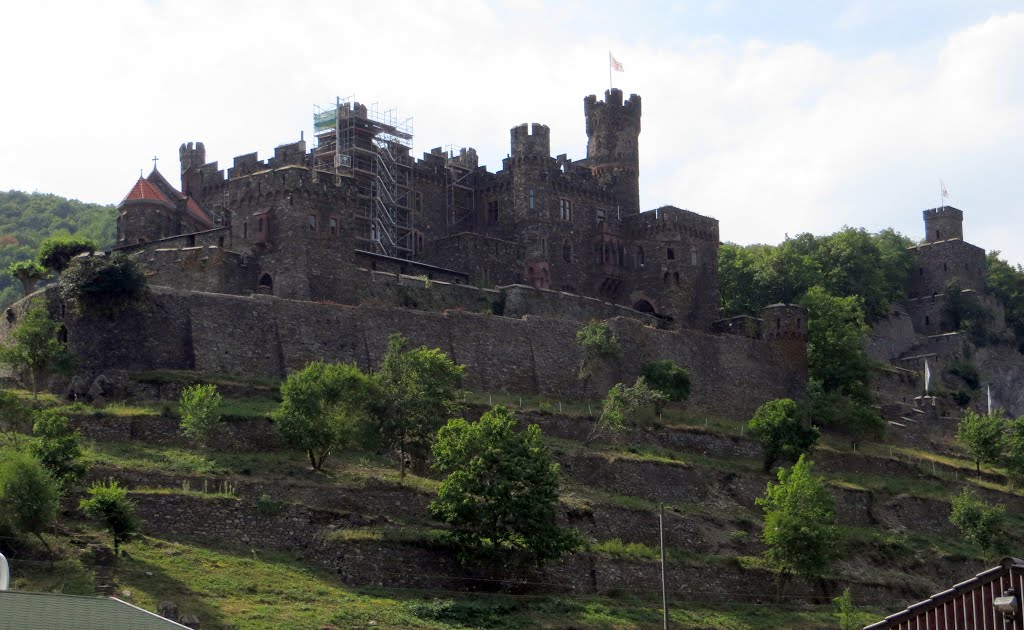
x: 614, y: 64
x: 990, y: 400
x: 945, y: 193
x: 927, y: 377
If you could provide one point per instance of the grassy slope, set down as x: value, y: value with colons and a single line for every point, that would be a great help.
x: 241, y: 588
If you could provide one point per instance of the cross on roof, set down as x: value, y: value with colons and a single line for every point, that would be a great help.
x: 155, y: 158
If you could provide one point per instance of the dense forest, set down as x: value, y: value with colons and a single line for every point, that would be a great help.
x: 28, y: 218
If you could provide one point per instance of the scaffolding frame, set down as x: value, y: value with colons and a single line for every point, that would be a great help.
x: 373, y: 147
x: 460, y: 192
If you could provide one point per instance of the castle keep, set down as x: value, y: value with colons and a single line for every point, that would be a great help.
x: 313, y: 224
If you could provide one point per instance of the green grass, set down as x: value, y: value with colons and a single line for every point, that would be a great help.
x: 190, y: 377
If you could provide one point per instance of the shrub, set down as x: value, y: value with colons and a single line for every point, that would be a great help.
x: 979, y: 522
x: 56, y: 252
x: 781, y: 432
x: 109, y: 504
x: 599, y: 344
x: 103, y: 284
x: 968, y: 372
x: 199, y: 408
x: 28, y: 495
x: 58, y: 448
x: 622, y: 402
x: 668, y: 378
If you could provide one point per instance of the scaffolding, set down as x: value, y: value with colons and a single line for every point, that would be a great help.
x: 371, y: 146
x: 460, y: 200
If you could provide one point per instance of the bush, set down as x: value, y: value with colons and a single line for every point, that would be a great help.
x: 622, y: 402
x: 103, y: 284
x: 109, y: 504
x: 28, y: 273
x: 28, y: 495
x: 979, y: 522
x: 968, y: 372
x: 56, y: 252
x: 599, y: 344
x: 199, y: 408
x: 668, y: 378
x: 58, y: 448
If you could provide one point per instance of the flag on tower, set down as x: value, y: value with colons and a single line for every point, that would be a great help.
x: 614, y: 64
x: 945, y: 193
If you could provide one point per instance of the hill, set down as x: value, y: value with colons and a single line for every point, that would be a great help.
x: 27, y: 218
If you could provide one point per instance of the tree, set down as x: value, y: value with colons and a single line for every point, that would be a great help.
x: 500, y: 492
x: 621, y: 402
x: 668, y: 378
x: 36, y: 349
x: 835, y: 343
x: 981, y: 437
x: 963, y: 312
x: 28, y: 495
x: 322, y: 407
x: 845, y: 612
x: 979, y: 522
x: 781, y: 432
x: 1013, y: 449
x: 199, y: 408
x: 799, y: 522
x: 28, y: 273
x: 58, y: 448
x: 833, y: 410
x: 109, y: 504
x: 416, y: 391
x: 56, y: 252
x: 103, y: 284
x: 1006, y: 283
x: 15, y: 418
x: 599, y: 344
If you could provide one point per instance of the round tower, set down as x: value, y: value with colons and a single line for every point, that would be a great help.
x: 613, y: 133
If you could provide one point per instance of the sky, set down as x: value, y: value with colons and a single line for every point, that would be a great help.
x: 774, y: 117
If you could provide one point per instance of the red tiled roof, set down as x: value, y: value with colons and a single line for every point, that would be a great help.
x: 145, y: 190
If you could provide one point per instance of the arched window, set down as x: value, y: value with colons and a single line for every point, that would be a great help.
x: 693, y: 256
x: 670, y: 254
x: 567, y: 251
x: 266, y: 284
x: 640, y: 257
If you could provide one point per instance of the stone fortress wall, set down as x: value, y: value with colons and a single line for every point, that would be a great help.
x: 267, y: 336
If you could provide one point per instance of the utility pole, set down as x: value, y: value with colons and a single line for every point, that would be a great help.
x: 664, y: 593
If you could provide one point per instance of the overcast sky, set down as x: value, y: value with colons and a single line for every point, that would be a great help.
x: 774, y: 117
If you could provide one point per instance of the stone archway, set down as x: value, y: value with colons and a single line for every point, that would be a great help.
x: 266, y: 284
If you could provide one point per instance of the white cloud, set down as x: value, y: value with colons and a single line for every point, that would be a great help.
x: 768, y: 138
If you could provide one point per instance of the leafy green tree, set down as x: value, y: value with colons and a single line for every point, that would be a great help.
x: 109, y: 504
x: 1013, y: 449
x: 835, y: 343
x: 500, y: 491
x: 668, y: 378
x: 981, y: 437
x: 28, y: 273
x: 15, y: 418
x: 1006, y: 282
x: 962, y: 312
x: 845, y: 612
x: 58, y: 448
x: 783, y: 435
x: 800, y: 529
x: 416, y: 391
x: 199, y: 408
x: 322, y: 407
x: 832, y: 410
x: 56, y: 252
x: 621, y: 402
x: 28, y: 495
x: 978, y: 521
x: 36, y: 349
x: 599, y: 344
x: 103, y: 284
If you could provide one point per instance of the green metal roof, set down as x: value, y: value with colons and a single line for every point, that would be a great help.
x: 52, y: 611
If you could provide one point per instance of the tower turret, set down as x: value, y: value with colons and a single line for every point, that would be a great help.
x: 943, y: 224
x: 613, y: 132
x: 192, y: 157
x: 531, y: 141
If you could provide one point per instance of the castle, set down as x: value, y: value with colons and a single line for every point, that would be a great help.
x: 301, y: 224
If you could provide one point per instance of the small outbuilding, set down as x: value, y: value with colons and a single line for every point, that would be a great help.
x: 990, y: 600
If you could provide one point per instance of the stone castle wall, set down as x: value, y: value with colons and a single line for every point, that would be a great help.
x: 266, y: 336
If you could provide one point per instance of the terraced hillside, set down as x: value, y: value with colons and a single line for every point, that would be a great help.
x: 243, y: 534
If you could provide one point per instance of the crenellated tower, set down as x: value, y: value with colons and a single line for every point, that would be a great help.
x: 192, y: 158
x: 613, y: 154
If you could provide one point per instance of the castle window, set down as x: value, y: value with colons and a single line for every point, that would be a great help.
x: 419, y: 202
x: 492, y: 212
x: 334, y: 226
x: 567, y: 251
x: 945, y: 267
x: 927, y: 320
x: 245, y: 229
x: 938, y: 235
x: 640, y: 262
x: 544, y: 247
x: 565, y: 209
x: 670, y: 254
x: 311, y: 223
x: 259, y: 224
x: 693, y: 256
x: 920, y: 271
x: 220, y: 242
x: 531, y: 199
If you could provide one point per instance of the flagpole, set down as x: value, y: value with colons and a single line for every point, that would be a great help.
x: 610, y: 86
